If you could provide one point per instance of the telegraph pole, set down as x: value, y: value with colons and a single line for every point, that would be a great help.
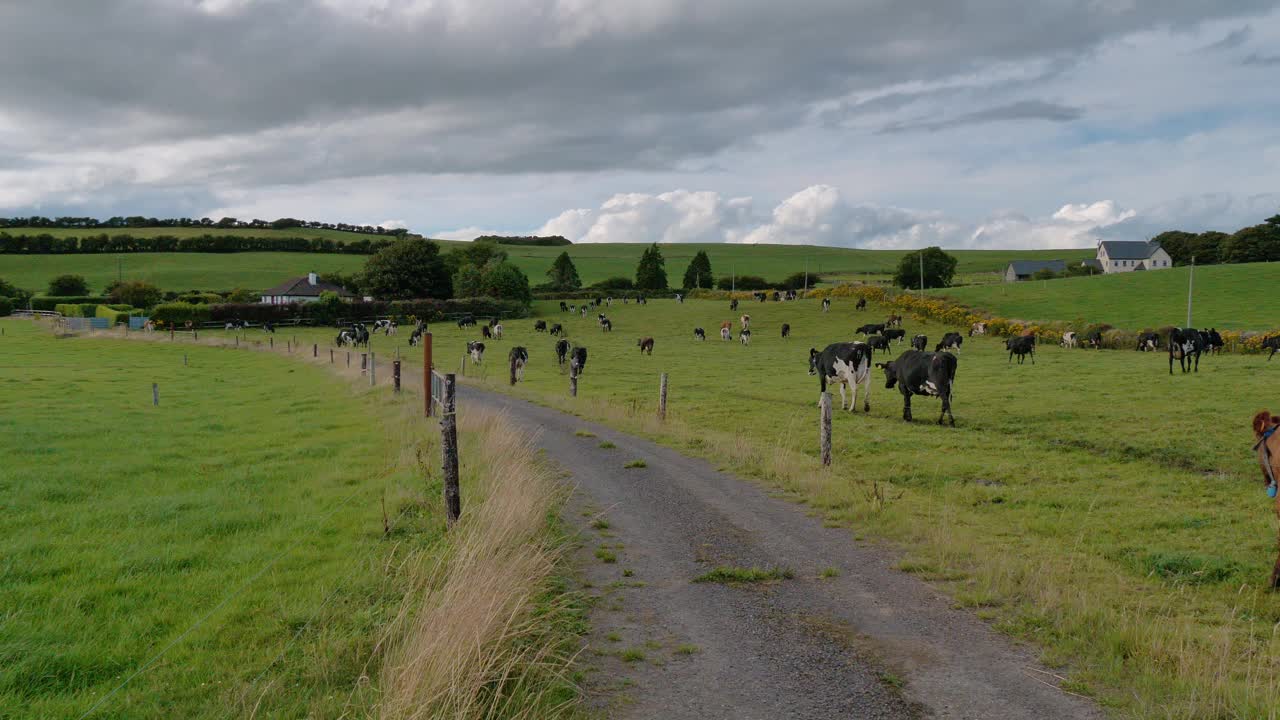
x: 1191, y: 277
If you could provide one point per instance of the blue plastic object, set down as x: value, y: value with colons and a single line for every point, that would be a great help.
x: 1271, y: 491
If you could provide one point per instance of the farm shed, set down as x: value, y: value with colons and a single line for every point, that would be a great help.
x: 301, y: 290
x: 1024, y: 269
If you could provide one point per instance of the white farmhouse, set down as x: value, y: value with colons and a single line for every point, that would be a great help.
x: 1117, y: 256
x: 301, y: 290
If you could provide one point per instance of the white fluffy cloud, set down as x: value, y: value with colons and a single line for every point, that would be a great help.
x: 820, y: 215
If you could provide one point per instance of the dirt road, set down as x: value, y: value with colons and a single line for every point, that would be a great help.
x: 847, y: 636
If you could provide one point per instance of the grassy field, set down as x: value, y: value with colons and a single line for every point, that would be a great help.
x: 595, y: 262
x: 1226, y: 297
x: 245, y: 547
x: 1090, y: 503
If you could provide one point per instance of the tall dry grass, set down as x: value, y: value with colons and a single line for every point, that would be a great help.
x: 477, y: 634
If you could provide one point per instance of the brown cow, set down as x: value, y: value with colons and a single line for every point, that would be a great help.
x: 746, y: 322
x: 1268, y: 447
x: 726, y: 330
x: 893, y: 321
x: 645, y: 344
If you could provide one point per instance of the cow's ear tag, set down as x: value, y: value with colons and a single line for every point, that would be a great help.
x: 1271, y: 491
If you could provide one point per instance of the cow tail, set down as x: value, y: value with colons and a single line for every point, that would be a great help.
x: 513, y: 369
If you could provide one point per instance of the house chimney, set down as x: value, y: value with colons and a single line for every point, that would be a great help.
x: 311, y: 278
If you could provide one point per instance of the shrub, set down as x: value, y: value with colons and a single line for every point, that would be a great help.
x: 67, y: 309
x: 135, y: 293
x: 17, y: 294
x: 6, y: 306
x: 51, y: 302
x: 69, y: 285
x: 742, y: 282
x: 179, y: 313
x: 200, y: 298
x: 115, y: 315
x: 614, y: 283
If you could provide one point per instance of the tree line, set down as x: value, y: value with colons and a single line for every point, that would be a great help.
x: 46, y: 244
x: 1256, y: 243
x: 138, y: 221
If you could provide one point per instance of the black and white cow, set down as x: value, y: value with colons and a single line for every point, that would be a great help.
x: 920, y: 342
x: 562, y: 351
x: 360, y: 334
x: 950, y: 341
x: 540, y: 326
x: 485, y: 331
x: 1185, y: 344
x: 878, y: 342
x: 466, y: 321
x: 699, y: 334
x: 923, y: 373
x: 386, y: 326
x: 645, y: 345
x: 826, y: 304
x: 269, y: 327
x: 476, y: 351
x: 582, y: 311
x: 895, y: 334
x: 744, y: 337
x: 786, y: 330
x: 344, y: 338
x: 518, y: 357
x: 564, y: 306
x: 1069, y: 340
x: 846, y: 363
x: 861, y: 304
x: 497, y: 330
x: 725, y: 333
x: 556, y: 329
x: 1273, y: 344
x: 870, y: 329
x: 416, y: 336
x: 578, y: 359
x: 1022, y: 346
x: 1213, y: 341
x: 733, y: 305
x: 1094, y: 339
x: 1148, y: 342
x: 606, y: 325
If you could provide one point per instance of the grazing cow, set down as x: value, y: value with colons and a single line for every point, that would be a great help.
x: 733, y: 305
x: 786, y: 330
x: 1068, y: 339
x: 608, y: 302
x: 562, y: 351
x: 1185, y: 345
x: 1148, y: 342
x: 476, y: 351
x: 950, y: 341
x: 556, y: 329
x: 540, y: 326
x: 870, y: 329
x: 878, y: 342
x: 606, y: 325
x: 699, y: 334
x: 1273, y: 344
x: 583, y: 311
x: 744, y: 337
x: 416, y: 336
x: 725, y: 333
x: 777, y: 296
x: 893, y: 321
x: 847, y: 363
x: 1213, y: 341
x: 466, y: 321
x: 745, y: 321
x: 384, y: 325
x: 497, y: 331
x: 269, y: 327
x: 519, y: 357
x: 1268, y: 446
x: 344, y: 338
x: 680, y: 298
x: 645, y: 345
x: 578, y: 360
x: 978, y: 328
x: 861, y: 304
x: 564, y: 306
x: 899, y: 335
x: 826, y: 304
x: 726, y: 325
x: 360, y: 333
x: 922, y: 373
x: 1022, y: 346
x: 920, y: 342
x: 1094, y: 339
x: 485, y: 331
x: 493, y: 321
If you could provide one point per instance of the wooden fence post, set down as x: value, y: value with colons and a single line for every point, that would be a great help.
x: 426, y: 372
x: 237, y: 341
x: 364, y: 362
x: 184, y: 359
x: 330, y: 356
x: 662, y: 398
x: 463, y: 370
x: 573, y: 379
x: 155, y: 393
x: 348, y: 358
x: 315, y: 350
x: 449, y: 452
x: 395, y: 375
x: 171, y: 331
x: 373, y: 369
x: 824, y: 435
x: 273, y: 342
x: 195, y: 334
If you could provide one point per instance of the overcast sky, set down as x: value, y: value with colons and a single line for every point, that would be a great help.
x: 868, y: 123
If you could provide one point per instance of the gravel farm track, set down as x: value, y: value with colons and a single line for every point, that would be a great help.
x: 847, y: 636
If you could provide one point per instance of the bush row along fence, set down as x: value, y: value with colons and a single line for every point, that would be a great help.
x: 327, y: 314
x: 45, y: 244
x: 963, y: 317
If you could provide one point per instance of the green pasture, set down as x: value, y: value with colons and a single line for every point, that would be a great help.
x: 1091, y: 503
x: 219, y: 555
x: 1231, y: 297
x: 595, y: 262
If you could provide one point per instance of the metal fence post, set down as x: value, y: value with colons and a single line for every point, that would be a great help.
x: 662, y: 397
x: 449, y: 452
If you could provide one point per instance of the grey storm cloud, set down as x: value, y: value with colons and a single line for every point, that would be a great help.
x: 1022, y: 110
x: 255, y: 92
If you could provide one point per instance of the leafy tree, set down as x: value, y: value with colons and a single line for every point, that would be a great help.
x: 615, y: 283
x: 69, y: 285
x: 479, y: 254
x: 939, y: 269
x: 1044, y: 274
x: 742, y: 282
x: 796, y: 281
x: 468, y: 282
x: 563, y: 275
x: 698, y: 275
x: 651, y: 273
x: 17, y: 294
x: 1260, y: 243
x: 242, y: 295
x: 407, y: 269
x: 135, y: 293
x: 505, y: 281
x: 348, y: 281
x: 1207, y: 247
x: 1179, y: 245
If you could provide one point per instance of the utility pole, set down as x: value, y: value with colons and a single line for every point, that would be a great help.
x: 1191, y: 277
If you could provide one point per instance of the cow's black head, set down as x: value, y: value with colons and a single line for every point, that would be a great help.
x: 890, y: 374
x: 813, y: 361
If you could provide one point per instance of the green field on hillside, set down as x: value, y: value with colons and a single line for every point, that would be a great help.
x: 233, y: 534
x: 1232, y: 297
x: 595, y: 262
x: 1077, y: 504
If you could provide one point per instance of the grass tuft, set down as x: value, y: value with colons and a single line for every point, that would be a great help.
x: 636, y: 464
x: 731, y: 575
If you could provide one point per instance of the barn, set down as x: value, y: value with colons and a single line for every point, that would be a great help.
x: 302, y: 290
x: 1024, y: 269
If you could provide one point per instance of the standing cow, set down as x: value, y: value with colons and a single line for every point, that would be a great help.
x: 518, y: 357
x: 922, y: 373
x: 577, y: 360
x: 476, y: 350
x: 645, y: 345
x: 1148, y: 342
x: 1022, y: 346
x: 1185, y: 345
x: 699, y: 334
x: 744, y: 337
x: 1068, y: 340
x: 920, y: 342
x: 846, y: 363
x: 786, y: 330
x: 745, y: 321
x: 562, y: 351
x: 950, y: 341
x: 861, y: 304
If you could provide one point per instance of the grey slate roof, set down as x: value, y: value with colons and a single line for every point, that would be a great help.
x: 1129, y: 249
x: 1094, y: 263
x: 299, y: 287
x: 1031, y: 267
